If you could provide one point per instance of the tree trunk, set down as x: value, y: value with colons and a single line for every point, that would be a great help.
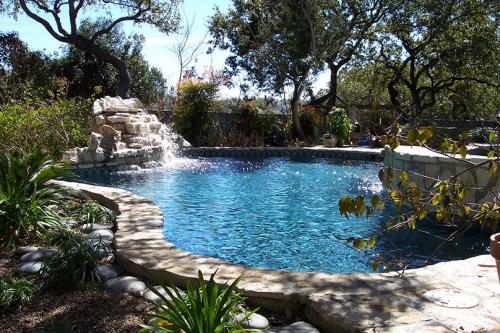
x: 334, y: 71
x: 295, y: 103
x: 123, y: 88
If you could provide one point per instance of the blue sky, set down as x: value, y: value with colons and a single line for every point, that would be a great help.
x: 156, y: 47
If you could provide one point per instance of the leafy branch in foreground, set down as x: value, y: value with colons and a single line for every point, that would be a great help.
x: 417, y: 196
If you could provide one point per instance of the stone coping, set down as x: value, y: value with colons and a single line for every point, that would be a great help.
x: 357, y: 302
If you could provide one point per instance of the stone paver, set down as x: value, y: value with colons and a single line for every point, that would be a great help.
x: 376, y: 302
x: 298, y: 327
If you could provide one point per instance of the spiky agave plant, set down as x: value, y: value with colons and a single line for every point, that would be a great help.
x: 205, y: 308
x: 25, y: 194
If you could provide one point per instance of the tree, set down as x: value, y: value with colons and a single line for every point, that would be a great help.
x: 431, y: 46
x: 184, y: 49
x: 160, y: 14
x: 24, y: 71
x: 274, y: 43
x: 346, y: 27
x: 85, y: 72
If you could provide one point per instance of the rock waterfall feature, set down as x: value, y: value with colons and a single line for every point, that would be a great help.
x: 124, y: 133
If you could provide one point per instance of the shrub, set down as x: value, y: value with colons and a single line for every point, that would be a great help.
x: 192, y: 109
x: 15, y: 293
x: 90, y: 211
x: 310, y: 121
x: 340, y: 125
x: 205, y: 308
x: 72, y: 265
x: 252, y: 122
x: 50, y: 127
x: 25, y: 194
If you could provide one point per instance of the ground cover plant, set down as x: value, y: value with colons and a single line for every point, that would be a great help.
x: 15, y: 293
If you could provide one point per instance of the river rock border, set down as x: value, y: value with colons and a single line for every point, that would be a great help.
x: 377, y: 302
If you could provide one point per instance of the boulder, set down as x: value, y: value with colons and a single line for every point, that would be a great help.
x: 154, y: 298
x: 29, y: 267
x: 89, y: 227
x: 254, y: 321
x: 102, y: 234
x: 94, y: 141
x: 126, y: 284
x: 298, y: 327
x: 100, y: 120
x: 118, y: 119
x: 107, y: 272
x: 25, y: 249
x: 37, y: 255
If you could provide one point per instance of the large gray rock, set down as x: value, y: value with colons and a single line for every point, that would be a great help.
x: 29, y: 267
x: 254, y: 321
x: 25, y: 249
x: 94, y: 141
x: 102, y: 234
x: 298, y: 327
x: 106, y: 272
x: 126, y: 284
x: 89, y: 227
x: 152, y: 297
x: 37, y: 255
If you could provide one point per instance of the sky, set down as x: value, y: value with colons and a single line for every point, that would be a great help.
x: 156, y: 48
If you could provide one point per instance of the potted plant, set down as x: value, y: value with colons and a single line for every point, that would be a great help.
x: 340, y: 125
x: 329, y: 141
x: 495, y: 250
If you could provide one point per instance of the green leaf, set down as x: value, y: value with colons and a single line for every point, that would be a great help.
x: 375, y: 201
x: 463, y: 151
x: 492, y: 136
x: 359, y: 244
x: 371, y: 241
x: 375, y: 265
x: 403, y: 176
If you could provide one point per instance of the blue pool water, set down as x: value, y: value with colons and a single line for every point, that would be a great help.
x: 278, y: 213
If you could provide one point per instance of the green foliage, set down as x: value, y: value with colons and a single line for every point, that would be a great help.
x: 87, y: 74
x: 340, y: 125
x: 51, y: 126
x: 72, y: 265
x: 205, y: 308
x: 193, y: 107
x: 89, y: 211
x: 252, y: 121
x: 15, y: 293
x: 25, y: 194
x: 310, y: 120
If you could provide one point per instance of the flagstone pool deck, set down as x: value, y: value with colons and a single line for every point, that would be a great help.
x: 455, y: 296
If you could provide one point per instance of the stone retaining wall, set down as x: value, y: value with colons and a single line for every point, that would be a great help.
x: 434, y: 165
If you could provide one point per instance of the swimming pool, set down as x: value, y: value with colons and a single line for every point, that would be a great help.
x: 278, y: 213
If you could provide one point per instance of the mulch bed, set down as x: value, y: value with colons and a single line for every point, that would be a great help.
x: 89, y: 309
